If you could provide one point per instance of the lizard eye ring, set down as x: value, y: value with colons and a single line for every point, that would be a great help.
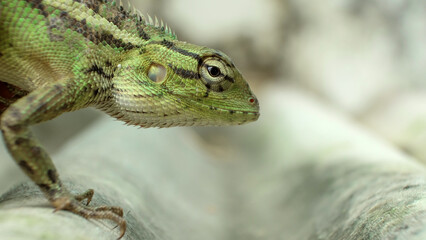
x: 215, y: 74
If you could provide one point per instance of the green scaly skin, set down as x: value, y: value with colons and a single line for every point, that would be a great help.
x: 59, y: 56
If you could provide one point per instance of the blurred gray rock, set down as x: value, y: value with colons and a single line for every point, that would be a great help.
x: 162, y: 179
x: 303, y: 171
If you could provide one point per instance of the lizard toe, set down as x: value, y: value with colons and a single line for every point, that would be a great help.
x: 74, y: 204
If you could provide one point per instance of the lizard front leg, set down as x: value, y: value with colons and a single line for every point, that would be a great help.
x: 40, y: 105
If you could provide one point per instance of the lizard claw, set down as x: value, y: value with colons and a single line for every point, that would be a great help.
x: 74, y: 204
x: 86, y: 195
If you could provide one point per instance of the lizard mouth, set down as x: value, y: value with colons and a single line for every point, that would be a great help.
x: 225, y: 110
x: 247, y: 115
x: 230, y: 111
x: 229, y: 115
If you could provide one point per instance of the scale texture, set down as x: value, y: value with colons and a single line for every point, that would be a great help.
x: 64, y: 55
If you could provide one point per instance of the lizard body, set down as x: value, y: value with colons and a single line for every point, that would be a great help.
x: 59, y: 56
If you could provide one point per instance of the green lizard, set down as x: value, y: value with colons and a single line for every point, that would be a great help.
x: 59, y: 56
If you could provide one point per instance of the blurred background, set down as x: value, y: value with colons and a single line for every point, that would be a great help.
x: 341, y: 84
x: 364, y: 59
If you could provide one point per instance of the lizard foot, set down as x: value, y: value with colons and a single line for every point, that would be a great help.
x: 74, y: 204
x: 89, y: 194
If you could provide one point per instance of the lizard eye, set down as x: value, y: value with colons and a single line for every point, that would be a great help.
x: 214, y: 71
x: 216, y: 74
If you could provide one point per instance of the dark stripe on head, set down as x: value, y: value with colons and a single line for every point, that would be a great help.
x: 99, y: 70
x: 171, y: 46
x: 229, y: 79
x: 185, y: 73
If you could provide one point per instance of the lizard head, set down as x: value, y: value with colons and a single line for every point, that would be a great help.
x: 180, y: 84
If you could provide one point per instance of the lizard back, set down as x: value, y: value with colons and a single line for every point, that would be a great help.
x: 41, y: 40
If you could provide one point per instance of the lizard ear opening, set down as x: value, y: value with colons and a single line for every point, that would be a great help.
x: 157, y: 73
